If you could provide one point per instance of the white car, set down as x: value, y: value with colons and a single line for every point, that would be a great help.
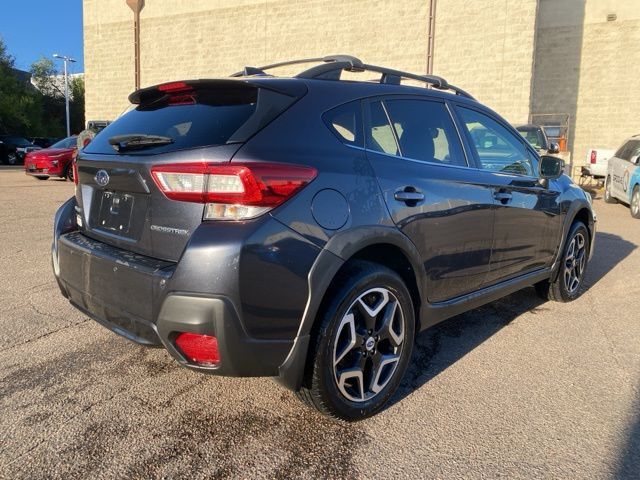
x: 623, y: 176
x: 597, y: 160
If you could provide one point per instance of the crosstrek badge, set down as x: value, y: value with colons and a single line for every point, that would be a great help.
x: 175, y: 231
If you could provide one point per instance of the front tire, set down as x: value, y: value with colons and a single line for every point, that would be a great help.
x: 11, y: 158
x: 363, y: 344
x: 69, y: 173
x: 608, y: 198
x: 568, y: 284
x: 635, y: 202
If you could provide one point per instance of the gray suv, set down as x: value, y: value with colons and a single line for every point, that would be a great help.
x: 308, y: 228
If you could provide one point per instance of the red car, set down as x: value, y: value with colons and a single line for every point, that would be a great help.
x: 55, y: 161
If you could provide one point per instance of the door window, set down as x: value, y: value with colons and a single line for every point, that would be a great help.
x: 498, y: 149
x: 380, y: 136
x: 425, y: 131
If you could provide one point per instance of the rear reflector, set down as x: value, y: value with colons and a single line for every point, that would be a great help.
x: 594, y: 156
x: 200, y: 349
x: 232, y: 191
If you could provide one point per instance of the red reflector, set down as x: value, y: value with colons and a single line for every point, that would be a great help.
x: 201, y: 349
x: 594, y: 156
x: 175, y: 87
x: 74, y: 164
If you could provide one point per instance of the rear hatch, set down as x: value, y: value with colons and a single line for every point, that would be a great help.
x: 192, y: 121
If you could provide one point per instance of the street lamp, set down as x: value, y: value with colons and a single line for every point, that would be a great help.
x: 66, y: 86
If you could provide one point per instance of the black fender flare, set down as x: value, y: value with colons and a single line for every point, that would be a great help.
x: 340, y: 248
x: 569, y: 218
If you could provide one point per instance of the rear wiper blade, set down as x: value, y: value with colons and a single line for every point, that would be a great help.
x: 135, y: 141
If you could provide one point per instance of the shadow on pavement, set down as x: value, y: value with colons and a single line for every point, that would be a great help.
x: 629, y: 464
x: 465, y: 332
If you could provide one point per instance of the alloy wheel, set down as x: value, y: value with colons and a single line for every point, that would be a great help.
x: 635, y: 203
x: 368, y: 344
x: 574, y: 263
x: 12, y: 158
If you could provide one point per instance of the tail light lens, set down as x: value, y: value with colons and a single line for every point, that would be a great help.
x: 74, y: 164
x: 593, y: 157
x: 200, y: 349
x: 232, y: 191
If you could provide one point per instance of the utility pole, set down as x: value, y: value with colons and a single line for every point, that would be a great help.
x: 66, y: 87
x: 431, y: 36
x: 136, y: 6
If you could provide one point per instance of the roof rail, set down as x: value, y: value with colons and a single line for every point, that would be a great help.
x: 332, y: 66
x: 353, y: 62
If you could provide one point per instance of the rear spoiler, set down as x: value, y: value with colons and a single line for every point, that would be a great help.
x: 290, y: 87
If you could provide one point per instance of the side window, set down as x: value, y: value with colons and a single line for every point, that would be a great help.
x: 425, y: 131
x: 379, y: 134
x: 634, y: 149
x: 345, y: 122
x: 622, y: 151
x: 497, y: 148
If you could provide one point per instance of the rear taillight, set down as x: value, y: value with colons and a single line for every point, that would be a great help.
x: 74, y: 165
x: 593, y: 157
x: 200, y: 349
x: 232, y: 191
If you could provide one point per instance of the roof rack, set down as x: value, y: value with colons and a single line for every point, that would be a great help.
x: 331, y: 68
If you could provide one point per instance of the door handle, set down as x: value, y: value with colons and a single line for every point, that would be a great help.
x: 502, y: 196
x: 409, y: 195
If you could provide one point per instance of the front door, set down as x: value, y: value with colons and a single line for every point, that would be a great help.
x: 433, y: 196
x: 527, y: 214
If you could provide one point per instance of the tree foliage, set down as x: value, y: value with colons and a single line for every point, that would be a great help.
x: 31, y: 111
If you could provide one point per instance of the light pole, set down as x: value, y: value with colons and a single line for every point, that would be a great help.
x: 66, y: 86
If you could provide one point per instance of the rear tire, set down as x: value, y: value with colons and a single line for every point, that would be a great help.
x: 568, y: 284
x: 363, y: 343
x: 11, y: 158
x: 607, y: 192
x: 635, y: 202
x: 68, y: 175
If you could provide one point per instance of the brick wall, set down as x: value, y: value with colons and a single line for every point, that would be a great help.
x: 201, y: 38
x: 589, y: 68
x: 486, y: 47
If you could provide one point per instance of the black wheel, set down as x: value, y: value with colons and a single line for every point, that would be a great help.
x: 568, y: 284
x: 635, y: 202
x: 69, y: 173
x: 607, y: 192
x: 11, y: 158
x: 363, y: 344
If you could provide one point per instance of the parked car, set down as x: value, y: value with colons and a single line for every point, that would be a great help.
x: 307, y: 228
x: 44, y: 142
x: 55, y: 161
x: 537, y: 137
x: 596, y: 163
x: 623, y: 176
x: 13, y: 148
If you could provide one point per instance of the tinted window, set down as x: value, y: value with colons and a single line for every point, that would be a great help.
x: 498, y: 149
x: 69, y: 142
x: 345, y: 122
x: 380, y: 137
x: 17, y: 141
x: 534, y: 136
x: 200, y: 118
x: 628, y: 150
x: 425, y: 131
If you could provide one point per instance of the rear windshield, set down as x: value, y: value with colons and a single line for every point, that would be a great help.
x: 68, y: 142
x: 201, y: 118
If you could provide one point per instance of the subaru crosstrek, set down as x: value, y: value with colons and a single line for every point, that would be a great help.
x: 308, y: 228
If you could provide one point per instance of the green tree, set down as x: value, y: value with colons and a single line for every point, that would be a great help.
x: 19, y: 109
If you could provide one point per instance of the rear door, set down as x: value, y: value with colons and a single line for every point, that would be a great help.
x: 432, y: 194
x: 623, y: 169
x: 200, y: 122
x: 527, y: 214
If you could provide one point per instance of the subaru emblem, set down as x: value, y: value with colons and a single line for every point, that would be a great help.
x: 102, y: 178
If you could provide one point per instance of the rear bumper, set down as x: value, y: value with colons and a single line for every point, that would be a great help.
x: 150, y: 301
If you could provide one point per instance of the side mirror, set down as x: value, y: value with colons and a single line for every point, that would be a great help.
x: 635, y: 159
x: 554, y: 148
x: 550, y: 167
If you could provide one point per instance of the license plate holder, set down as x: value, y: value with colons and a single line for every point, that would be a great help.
x: 115, y: 212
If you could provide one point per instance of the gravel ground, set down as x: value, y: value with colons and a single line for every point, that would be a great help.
x: 520, y: 388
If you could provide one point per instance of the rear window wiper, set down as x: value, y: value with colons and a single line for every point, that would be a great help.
x: 136, y: 141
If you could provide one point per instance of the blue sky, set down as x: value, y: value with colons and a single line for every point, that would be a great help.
x: 35, y: 28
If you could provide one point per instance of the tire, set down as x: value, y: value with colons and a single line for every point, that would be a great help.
x: 11, y: 158
x: 341, y: 379
x: 568, y: 284
x: 68, y: 174
x: 608, y: 198
x: 634, y: 207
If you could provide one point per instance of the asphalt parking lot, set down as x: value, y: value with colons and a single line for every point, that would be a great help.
x: 520, y: 388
